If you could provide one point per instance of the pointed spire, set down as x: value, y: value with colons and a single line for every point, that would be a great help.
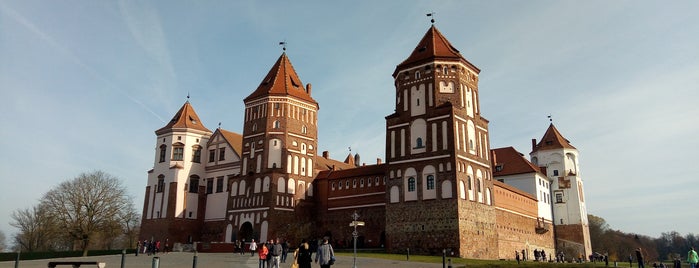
x: 282, y: 80
x: 552, y: 140
x: 185, y: 118
x: 433, y: 46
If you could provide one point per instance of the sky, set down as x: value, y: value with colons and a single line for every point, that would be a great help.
x: 85, y: 84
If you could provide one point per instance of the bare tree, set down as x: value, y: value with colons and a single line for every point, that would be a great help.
x: 87, y: 205
x: 130, y: 221
x: 36, y: 229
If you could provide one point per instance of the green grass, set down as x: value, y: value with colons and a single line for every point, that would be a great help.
x: 460, y: 263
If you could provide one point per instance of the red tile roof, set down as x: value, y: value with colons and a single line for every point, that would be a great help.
x: 185, y: 118
x: 234, y: 139
x: 433, y: 46
x: 282, y: 80
x: 370, y: 170
x: 512, y: 189
x: 323, y: 163
x: 511, y: 162
x: 552, y: 140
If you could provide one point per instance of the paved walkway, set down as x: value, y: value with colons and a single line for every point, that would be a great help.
x: 206, y: 260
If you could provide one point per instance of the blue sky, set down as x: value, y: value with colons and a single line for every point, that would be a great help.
x: 85, y: 84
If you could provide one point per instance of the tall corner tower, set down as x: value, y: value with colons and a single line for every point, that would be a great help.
x: 437, y: 150
x: 560, y: 159
x: 174, y: 208
x: 280, y: 136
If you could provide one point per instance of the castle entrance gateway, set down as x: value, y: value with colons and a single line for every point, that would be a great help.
x: 246, y: 231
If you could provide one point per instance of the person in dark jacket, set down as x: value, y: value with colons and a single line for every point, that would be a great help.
x: 303, y: 254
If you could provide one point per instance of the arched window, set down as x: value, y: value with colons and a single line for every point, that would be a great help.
x: 177, y: 151
x: 196, y: 154
x: 417, y: 74
x: 418, y: 143
x: 161, y: 184
x: 276, y: 124
x: 430, y: 182
x: 162, y: 153
x: 411, y: 184
x: 445, y: 70
x: 194, y: 184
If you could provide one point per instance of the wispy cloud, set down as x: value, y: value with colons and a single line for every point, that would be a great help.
x: 145, y: 26
x: 12, y: 13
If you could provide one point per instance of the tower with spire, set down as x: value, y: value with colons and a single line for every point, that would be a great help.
x: 560, y: 161
x: 278, y: 155
x: 174, y: 207
x: 437, y: 150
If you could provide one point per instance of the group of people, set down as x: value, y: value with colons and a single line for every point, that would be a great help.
x: 274, y: 252
x: 539, y: 255
x: 151, y: 247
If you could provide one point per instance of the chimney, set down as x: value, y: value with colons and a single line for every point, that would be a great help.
x: 326, y: 155
x: 533, y: 144
x: 494, y: 157
x: 378, y: 161
x: 308, y: 88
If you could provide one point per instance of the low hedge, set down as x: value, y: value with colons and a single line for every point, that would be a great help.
x: 11, y: 256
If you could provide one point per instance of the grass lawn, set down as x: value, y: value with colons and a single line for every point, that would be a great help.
x: 459, y: 262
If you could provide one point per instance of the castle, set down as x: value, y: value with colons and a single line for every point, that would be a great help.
x: 441, y: 187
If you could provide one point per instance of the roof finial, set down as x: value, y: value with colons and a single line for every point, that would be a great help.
x: 431, y: 14
x: 187, y: 96
x: 350, y: 149
x: 283, y: 44
x: 219, y: 125
x: 550, y: 119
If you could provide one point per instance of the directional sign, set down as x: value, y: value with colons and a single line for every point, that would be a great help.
x: 356, y: 223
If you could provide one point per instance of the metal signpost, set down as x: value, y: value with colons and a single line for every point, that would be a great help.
x: 355, y: 234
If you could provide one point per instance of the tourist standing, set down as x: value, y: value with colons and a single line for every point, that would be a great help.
x: 639, y: 258
x: 253, y: 247
x: 692, y: 258
x: 263, y: 255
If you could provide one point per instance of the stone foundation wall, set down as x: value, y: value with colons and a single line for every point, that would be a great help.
x: 517, y: 233
x: 477, y: 233
x: 425, y: 227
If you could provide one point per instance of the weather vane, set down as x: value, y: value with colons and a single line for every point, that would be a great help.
x: 550, y: 119
x: 283, y: 44
x: 431, y: 14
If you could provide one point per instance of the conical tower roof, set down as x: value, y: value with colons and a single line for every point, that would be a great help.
x: 185, y: 118
x: 282, y: 80
x: 552, y: 140
x: 433, y: 46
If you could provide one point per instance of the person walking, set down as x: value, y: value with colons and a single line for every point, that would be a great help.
x: 263, y: 255
x: 302, y: 255
x: 285, y: 250
x: 253, y: 247
x: 276, y: 253
x: 325, y: 255
x: 639, y: 258
x: 692, y: 258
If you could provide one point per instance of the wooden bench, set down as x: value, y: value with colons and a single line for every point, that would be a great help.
x: 76, y: 264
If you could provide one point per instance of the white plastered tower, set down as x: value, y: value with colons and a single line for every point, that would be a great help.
x: 560, y: 161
